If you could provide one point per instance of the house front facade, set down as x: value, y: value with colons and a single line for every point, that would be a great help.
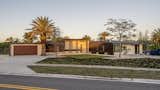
x: 66, y: 46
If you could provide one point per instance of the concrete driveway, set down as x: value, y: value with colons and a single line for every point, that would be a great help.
x: 18, y: 64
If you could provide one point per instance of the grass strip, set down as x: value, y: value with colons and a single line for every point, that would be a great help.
x: 112, y: 73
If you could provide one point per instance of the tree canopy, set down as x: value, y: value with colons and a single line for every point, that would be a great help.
x: 42, y: 28
x: 120, y: 28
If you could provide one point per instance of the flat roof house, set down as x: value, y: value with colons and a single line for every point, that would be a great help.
x: 67, y: 46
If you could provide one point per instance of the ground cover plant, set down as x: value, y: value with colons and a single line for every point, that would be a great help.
x: 99, y: 60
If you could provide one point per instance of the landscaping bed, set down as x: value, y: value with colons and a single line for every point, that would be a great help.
x: 112, y: 73
x: 99, y: 60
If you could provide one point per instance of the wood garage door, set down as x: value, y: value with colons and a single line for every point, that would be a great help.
x: 25, y: 50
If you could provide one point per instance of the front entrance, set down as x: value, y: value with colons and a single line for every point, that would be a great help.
x: 136, y: 49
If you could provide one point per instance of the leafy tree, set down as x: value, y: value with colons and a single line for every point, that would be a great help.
x: 4, y: 47
x: 66, y: 37
x: 140, y: 37
x: 144, y: 39
x: 120, y: 28
x: 13, y: 40
x: 156, y: 37
x: 42, y: 27
x: 57, y: 35
x: 10, y: 40
x: 86, y: 37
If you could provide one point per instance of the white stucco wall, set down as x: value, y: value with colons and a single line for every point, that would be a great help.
x: 141, y: 49
x: 130, y: 49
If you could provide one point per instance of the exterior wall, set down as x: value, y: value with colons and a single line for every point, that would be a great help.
x: 77, y: 45
x: 66, y: 45
x: 130, y: 49
x: 141, y: 49
x: 39, y: 48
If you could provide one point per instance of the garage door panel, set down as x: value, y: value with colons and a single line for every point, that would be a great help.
x: 25, y: 50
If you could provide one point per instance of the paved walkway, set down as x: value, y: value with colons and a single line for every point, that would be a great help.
x: 18, y: 64
x: 97, y: 66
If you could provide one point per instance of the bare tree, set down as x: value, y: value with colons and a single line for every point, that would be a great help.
x: 120, y: 28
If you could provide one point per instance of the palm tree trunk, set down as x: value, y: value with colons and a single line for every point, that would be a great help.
x: 43, y: 42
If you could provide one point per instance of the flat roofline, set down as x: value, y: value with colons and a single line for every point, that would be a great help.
x: 26, y: 43
x: 74, y: 39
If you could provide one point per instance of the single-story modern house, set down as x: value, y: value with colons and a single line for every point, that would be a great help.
x: 77, y: 46
x: 67, y: 46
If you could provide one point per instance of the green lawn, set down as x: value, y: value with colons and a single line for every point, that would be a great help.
x: 99, y: 60
x: 113, y: 73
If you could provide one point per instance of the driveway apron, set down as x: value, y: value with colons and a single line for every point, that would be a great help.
x: 18, y: 64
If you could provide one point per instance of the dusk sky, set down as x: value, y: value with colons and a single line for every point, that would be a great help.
x: 76, y: 18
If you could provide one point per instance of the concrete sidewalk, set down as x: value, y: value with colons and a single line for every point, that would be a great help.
x: 96, y: 66
x: 116, y: 56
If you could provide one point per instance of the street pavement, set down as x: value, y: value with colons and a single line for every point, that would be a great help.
x: 73, y: 84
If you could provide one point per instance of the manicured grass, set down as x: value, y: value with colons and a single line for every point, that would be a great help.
x: 98, y: 60
x: 113, y: 73
x: 85, y: 56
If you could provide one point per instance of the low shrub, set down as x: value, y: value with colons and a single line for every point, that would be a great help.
x: 139, y: 62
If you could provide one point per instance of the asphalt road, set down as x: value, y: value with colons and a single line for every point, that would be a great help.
x: 73, y: 84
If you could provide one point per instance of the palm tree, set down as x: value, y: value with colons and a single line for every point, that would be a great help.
x: 103, y: 35
x: 42, y: 27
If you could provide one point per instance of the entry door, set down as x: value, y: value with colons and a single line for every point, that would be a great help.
x: 136, y: 49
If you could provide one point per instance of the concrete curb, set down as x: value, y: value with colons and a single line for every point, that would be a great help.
x: 149, y: 81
